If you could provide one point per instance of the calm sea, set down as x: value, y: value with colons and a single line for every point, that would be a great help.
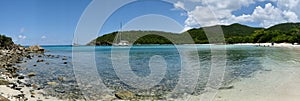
x: 115, y: 67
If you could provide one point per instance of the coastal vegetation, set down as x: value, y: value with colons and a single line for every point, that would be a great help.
x: 235, y: 33
x: 5, y: 42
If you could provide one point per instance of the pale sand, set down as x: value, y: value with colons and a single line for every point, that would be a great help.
x: 283, y: 45
x: 282, y: 83
x: 275, y: 85
x: 9, y: 93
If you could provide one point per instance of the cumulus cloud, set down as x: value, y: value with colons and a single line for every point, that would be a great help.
x: 287, y: 4
x: 22, y: 37
x: 268, y: 16
x: 43, y: 37
x: 213, y: 12
x: 179, y: 5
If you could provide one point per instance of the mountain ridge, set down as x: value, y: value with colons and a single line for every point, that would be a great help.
x: 234, y: 33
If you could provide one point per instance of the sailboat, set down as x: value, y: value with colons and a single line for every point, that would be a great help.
x: 76, y: 44
x: 121, y: 42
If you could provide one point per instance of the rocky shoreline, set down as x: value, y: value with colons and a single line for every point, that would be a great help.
x: 13, y: 85
x: 28, y: 74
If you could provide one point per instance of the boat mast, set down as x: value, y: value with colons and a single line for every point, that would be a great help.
x: 120, y: 31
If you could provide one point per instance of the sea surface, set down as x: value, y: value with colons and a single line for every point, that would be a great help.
x: 158, y: 71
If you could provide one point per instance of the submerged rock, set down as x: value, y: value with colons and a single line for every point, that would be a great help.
x: 21, y: 77
x: 51, y: 83
x: 60, y: 78
x: 31, y: 74
x: 125, y: 95
x: 40, y: 61
x: 226, y: 87
x: 64, y: 58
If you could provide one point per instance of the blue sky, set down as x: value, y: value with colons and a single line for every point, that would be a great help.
x: 50, y: 22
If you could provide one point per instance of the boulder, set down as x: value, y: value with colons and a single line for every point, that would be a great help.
x: 64, y: 58
x: 34, y: 86
x: 35, y: 48
x: 21, y: 77
x: 226, y: 87
x: 51, y: 83
x: 125, y: 95
x: 60, y: 78
x: 3, y: 98
x: 40, y: 60
x: 31, y: 74
x: 4, y: 82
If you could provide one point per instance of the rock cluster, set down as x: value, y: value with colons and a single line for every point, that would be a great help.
x: 36, y: 49
x: 125, y: 95
x: 9, y: 76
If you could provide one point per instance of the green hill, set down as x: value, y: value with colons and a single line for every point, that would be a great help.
x: 285, y: 27
x: 5, y: 42
x: 235, y: 33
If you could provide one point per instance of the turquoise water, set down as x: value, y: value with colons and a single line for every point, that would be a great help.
x: 240, y: 62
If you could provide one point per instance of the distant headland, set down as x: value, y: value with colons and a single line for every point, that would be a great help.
x: 235, y: 33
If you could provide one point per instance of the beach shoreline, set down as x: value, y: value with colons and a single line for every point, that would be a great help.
x: 274, y: 83
x: 13, y: 85
x: 239, y: 87
x: 282, y: 45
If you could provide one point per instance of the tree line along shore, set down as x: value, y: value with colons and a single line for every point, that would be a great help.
x: 12, y: 84
x: 235, y: 33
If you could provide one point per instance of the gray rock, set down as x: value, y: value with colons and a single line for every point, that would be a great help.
x: 60, y: 78
x: 125, y: 95
x: 40, y: 60
x: 226, y: 87
x: 64, y: 58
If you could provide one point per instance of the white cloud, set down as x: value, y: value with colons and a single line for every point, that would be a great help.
x: 22, y: 37
x: 290, y: 16
x: 268, y: 16
x: 179, y: 5
x: 43, y: 37
x: 213, y: 12
x: 287, y: 4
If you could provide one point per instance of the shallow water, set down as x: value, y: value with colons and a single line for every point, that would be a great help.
x: 240, y: 62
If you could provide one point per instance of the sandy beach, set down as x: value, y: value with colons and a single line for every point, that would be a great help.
x: 277, y: 83
x: 29, y: 93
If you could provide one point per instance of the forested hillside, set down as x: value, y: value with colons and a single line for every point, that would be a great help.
x: 235, y: 33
